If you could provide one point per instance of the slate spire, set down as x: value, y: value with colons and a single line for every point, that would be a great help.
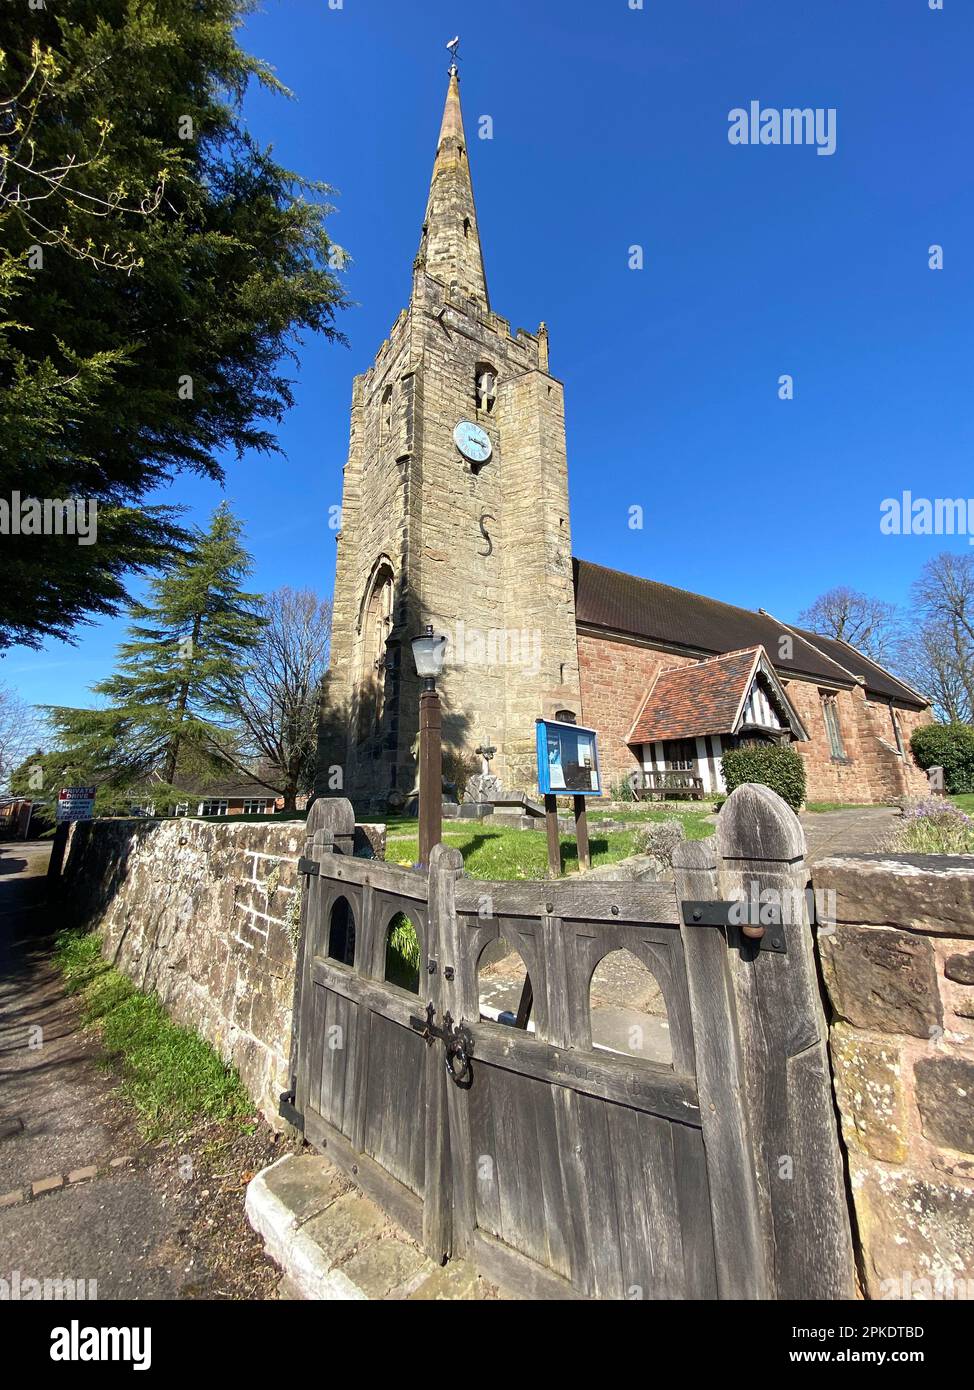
x: 449, y: 248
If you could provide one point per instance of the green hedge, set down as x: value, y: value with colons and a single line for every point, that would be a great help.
x: 950, y: 746
x: 781, y: 769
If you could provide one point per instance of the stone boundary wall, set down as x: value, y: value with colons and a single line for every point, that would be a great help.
x: 899, y: 972
x: 206, y: 916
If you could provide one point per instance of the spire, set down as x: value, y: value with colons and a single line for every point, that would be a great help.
x: 449, y: 248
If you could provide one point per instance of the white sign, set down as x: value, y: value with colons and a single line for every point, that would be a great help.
x: 75, y: 803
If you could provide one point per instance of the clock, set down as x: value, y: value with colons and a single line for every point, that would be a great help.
x: 473, y: 442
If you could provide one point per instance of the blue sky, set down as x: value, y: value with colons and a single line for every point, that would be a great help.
x: 610, y: 130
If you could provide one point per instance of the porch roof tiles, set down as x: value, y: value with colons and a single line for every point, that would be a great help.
x: 702, y: 698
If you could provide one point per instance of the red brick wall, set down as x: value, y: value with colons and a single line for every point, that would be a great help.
x: 874, y: 771
x: 615, y: 676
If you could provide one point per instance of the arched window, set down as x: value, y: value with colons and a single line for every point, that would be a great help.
x: 506, y: 992
x: 403, y: 954
x: 375, y: 628
x: 385, y: 416
x: 485, y: 388
x: 627, y: 1010
x: 341, y: 933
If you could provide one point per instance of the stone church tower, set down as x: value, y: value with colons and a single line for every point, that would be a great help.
x: 455, y: 513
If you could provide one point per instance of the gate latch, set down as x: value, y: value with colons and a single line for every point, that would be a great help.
x: 308, y: 866
x: 455, y: 1036
x: 760, y: 922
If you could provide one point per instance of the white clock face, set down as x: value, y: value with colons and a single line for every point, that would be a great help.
x: 473, y: 442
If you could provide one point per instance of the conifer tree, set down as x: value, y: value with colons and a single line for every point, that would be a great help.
x: 164, y: 711
x: 158, y: 271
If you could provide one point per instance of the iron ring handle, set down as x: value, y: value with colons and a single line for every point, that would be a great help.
x: 456, y: 1050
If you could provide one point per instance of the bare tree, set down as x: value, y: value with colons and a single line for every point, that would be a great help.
x: 276, y: 702
x: 944, y: 605
x: 869, y: 624
x: 926, y: 657
x: 20, y: 728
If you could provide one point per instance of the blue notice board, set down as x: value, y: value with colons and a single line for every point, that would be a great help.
x: 568, y: 760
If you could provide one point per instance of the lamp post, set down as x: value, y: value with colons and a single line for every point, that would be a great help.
x: 428, y: 653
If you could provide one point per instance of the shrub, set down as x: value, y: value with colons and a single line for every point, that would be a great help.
x: 403, y: 954
x: 780, y: 768
x: 934, y: 825
x: 459, y: 765
x: 950, y: 746
x: 623, y: 790
x: 659, y: 839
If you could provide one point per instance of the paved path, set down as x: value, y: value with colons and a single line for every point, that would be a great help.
x: 138, y: 1229
x: 856, y: 830
x: 58, y: 1115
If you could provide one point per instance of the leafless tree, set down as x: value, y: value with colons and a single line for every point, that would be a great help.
x: 944, y: 605
x: 20, y: 729
x: 926, y: 657
x: 869, y: 624
x: 274, y: 707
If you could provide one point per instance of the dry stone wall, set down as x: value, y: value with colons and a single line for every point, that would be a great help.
x: 899, y: 972
x: 206, y: 916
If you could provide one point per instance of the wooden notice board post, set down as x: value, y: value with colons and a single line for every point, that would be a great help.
x: 581, y: 832
x: 568, y: 765
x: 554, y: 840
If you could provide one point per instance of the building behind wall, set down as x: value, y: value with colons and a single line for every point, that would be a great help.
x: 854, y: 718
x: 479, y: 545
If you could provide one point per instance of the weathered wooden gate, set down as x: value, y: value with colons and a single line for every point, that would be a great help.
x: 559, y: 1167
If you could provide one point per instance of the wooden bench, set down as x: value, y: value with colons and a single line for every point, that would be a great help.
x: 650, y: 786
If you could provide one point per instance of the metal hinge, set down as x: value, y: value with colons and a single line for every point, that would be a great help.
x: 286, y: 1108
x: 308, y: 866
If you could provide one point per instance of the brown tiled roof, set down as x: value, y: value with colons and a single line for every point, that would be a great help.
x: 704, y: 626
x: 702, y: 698
x: 876, y: 679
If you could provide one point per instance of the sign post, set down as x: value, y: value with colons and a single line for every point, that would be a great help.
x: 554, y: 843
x: 568, y: 765
x: 581, y: 832
x: 75, y: 803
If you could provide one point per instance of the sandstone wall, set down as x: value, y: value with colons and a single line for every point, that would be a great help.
x: 899, y: 972
x: 206, y: 916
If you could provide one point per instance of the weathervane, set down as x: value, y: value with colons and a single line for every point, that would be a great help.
x: 453, y: 45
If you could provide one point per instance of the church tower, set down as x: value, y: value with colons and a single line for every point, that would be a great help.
x: 455, y: 513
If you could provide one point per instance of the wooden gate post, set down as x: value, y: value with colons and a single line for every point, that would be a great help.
x: 783, y: 1049
x: 330, y: 827
x: 439, y: 1227
x: 739, y: 1245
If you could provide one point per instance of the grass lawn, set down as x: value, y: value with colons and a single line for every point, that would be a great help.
x: 818, y: 806
x: 693, y: 815
x: 965, y: 800
x: 502, y: 852
x: 510, y: 854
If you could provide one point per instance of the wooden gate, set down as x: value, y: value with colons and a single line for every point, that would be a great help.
x: 559, y: 1166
